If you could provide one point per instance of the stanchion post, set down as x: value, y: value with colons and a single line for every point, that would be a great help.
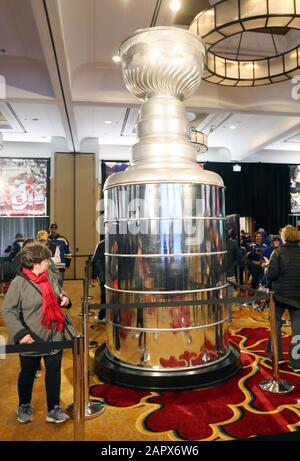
x: 93, y: 408
x: 86, y: 283
x: 89, y: 262
x: 246, y: 283
x: 2, y: 278
x: 246, y: 277
x: 275, y: 385
x: 78, y: 387
x: 274, y: 339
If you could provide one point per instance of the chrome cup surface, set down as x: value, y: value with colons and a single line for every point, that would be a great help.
x: 164, y: 222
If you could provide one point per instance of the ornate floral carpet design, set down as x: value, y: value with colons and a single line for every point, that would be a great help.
x: 236, y: 409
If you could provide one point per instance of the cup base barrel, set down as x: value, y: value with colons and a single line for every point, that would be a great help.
x: 109, y: 371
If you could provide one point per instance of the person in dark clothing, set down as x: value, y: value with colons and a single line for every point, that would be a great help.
x: 255, y: 252
x: 284, y: 273
x: 98, y: 272
x: 16, y: 262
x: 231, y: 262
x: 16, y: 246
x: 245, y: 240
x: 64, y: 251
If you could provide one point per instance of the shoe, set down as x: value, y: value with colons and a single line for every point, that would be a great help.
x: 24, y: 413
x: 295, y: 370
x: 57, y: 415
x: 38, y: 374
x: 255, y: 306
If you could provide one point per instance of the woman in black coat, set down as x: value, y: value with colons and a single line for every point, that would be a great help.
x: 284, y: 273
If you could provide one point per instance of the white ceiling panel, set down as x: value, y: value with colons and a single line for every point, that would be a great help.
x: 39, y: 119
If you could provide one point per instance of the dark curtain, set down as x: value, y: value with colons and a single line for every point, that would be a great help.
x: 260, y: 190
x: 9, y: 227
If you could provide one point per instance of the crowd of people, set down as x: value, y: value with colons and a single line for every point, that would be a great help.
x: 57, y: 244
x: 272, y: 262
x: 33, y: 304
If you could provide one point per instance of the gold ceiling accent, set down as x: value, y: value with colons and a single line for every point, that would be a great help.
x: 200, y: 139
x: 231, y: 17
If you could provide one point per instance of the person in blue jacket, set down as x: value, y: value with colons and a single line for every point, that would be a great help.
x: 64, y: 251
x: 254, y: 254
x: 16, y: 246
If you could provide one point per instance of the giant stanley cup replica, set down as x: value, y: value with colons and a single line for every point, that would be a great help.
x: 165, y: 233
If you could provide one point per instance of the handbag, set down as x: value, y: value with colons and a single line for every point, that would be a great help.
x: 69, y: 330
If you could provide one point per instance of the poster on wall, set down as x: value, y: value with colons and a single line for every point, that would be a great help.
x: 295, y: 188
x: 108, y: 168
x: 114, y: 167
x: 232, y: 226
x: 23, y: 187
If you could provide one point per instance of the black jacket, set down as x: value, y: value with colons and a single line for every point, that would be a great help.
x: 98, y: 262
x: 284, y: 271
x: 232, y: 257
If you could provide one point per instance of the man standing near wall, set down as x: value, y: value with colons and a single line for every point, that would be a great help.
x: 64, y: 250
x: 98, y: 273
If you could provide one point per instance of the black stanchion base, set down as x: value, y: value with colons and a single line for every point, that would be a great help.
x: 209, y: 376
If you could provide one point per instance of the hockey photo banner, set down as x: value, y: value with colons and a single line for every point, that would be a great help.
x: 23, y: 187
x: 295, y: 188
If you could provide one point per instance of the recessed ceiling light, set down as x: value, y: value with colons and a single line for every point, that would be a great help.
x: 175, y: 5
x: 108, y: 122
x: 233, y: 127
x: 191, y: 116
x: 116, y: 58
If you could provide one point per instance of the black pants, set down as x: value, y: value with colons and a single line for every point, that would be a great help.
x: 295, y: 324
x: 29, y: 365
x: 61, y: 276
x: 102, y: 312
x: 257, y: 273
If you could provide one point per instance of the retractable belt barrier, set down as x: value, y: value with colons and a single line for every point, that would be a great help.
x: 259, y: 296
x: 92, y: 408
x: 275, y: 385
x: 78, y: 381
x: 36, y: 347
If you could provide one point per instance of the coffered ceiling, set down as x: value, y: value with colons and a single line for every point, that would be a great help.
x: 61, y: 81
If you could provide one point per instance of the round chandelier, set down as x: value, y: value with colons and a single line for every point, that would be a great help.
x: 200, y: 140
x: 231, y: 28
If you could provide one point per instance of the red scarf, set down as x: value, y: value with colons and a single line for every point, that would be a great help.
x: 52, y: 314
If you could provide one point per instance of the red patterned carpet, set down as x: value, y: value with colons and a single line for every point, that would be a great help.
x: 236, y: 409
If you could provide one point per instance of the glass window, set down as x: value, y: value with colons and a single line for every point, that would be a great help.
x: 281, y: 6
x: 253, y: 8
x: 227, y: 12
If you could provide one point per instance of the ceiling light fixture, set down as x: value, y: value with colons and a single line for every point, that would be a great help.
x: 239, y: 18
x: 116, y: 58
x: 200, y: 139
x: 175, y: 5
x: 108, y: 122
x: 233, y: 127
